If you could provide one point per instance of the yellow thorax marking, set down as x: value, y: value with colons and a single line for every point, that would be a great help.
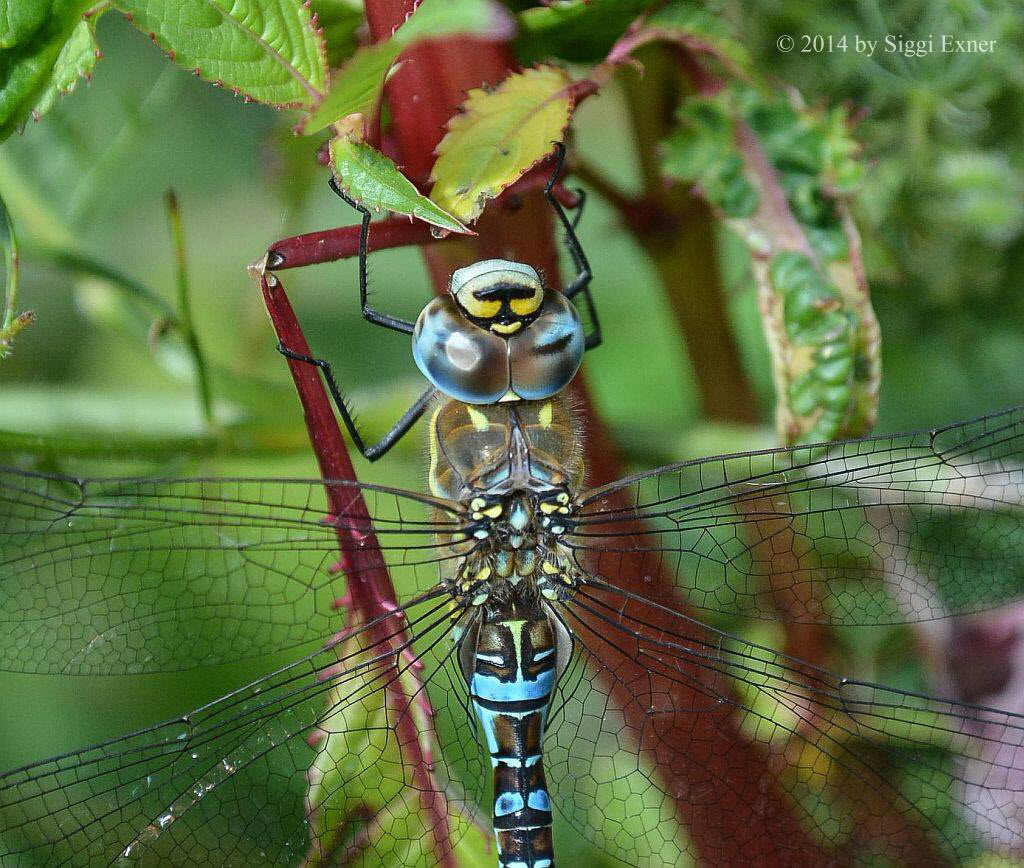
x: 433, y: 447
x: 546, y: 414
x: 478, y: 418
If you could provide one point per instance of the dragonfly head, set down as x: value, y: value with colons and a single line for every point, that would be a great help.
x: 499, y: 335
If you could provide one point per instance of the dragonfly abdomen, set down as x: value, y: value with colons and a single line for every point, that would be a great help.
x: 514, y: 674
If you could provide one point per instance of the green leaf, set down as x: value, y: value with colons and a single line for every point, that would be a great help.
x: 497, y: 136
x: 357, y: 88
x: 701, y: 150
x: 75, y: 62
x: 359, y: 781
x: 34, y: 34
x: 338, y: 21
x: 700, y: 29
x: 264, y: 49
x: 577, y: 30
x: 372, y: 179
x: 19, y: 19
x: 774, y: 172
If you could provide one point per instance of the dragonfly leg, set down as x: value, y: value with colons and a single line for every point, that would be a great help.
x: 382, y: 446
x: 369, y: 314
x: 581, y: 282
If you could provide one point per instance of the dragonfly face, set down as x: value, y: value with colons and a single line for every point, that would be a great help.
x: 499, y: 335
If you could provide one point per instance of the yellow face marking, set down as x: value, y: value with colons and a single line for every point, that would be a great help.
x: 525, y: 306
x: 506, y: 329
x: 545, y: 415
x: 478, y: 418
x: 475, y: 307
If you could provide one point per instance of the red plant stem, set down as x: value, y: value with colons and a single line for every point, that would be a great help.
x: 724, y: 791
x: 369, y: 583
x: 331, y: 245
x: 370, y: 590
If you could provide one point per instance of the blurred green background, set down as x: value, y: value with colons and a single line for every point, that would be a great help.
x: 941, y: 214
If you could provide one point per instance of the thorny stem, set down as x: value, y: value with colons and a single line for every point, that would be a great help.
x: 330, y: 245
x: 185, y: 322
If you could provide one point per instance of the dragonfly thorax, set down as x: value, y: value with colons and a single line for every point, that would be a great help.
x: 499, y: 335
x: 517, y: 555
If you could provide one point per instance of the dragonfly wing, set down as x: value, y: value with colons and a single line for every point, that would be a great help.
x: 890, y: 529
x: 312, y: 762
x: 861, y: 772
x: 110, y: 576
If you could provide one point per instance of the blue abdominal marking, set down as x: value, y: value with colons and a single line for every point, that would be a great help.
x: 514, y: 674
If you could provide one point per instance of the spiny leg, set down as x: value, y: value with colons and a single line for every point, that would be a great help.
x: 382, y: 446
x: 369, y: 314
x: 581, y: 282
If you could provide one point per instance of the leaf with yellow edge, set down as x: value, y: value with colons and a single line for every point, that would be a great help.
x: 497, y: 136
x: 373, y: 180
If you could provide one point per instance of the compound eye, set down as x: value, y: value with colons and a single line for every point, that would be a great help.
x: 463, y: 361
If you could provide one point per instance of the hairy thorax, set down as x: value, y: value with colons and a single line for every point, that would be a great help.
x: 515, y: 468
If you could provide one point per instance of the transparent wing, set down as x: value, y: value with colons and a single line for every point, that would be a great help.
x: 325, y: 759
x: 109, y: 576
x: 665, y: 762
x: 669, y: 742
x: 893, y: 529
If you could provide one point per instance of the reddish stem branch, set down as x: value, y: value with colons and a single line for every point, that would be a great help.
x: 370, y: 585
x: 331, y: 245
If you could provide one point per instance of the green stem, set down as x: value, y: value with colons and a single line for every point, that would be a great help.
x: 13, y: 322
x: 11, y: 268
x: 185, y: 322
x: 677, y: 232
x: 79, y: 263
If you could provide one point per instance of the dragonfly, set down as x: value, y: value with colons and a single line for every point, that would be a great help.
x: 554, y: 650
